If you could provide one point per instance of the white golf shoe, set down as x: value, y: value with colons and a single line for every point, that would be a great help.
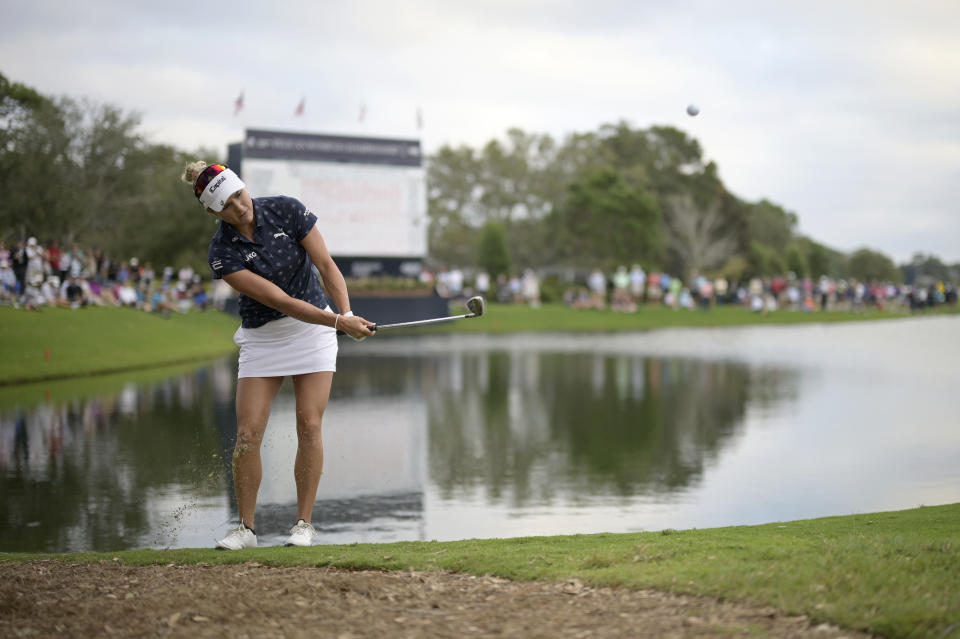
x: 238, y: 539
x: 301, y: 534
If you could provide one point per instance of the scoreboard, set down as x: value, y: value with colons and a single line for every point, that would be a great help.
x: 369, y: 194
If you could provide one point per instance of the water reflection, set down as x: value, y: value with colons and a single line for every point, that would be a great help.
x: 524, y: 425
x: 452, y: 437
x: 81, y: 474
x: 149, y: 464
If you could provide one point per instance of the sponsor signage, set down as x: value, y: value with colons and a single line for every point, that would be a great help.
x: 280, y: 145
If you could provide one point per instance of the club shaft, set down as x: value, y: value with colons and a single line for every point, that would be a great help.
x: 435, y: 320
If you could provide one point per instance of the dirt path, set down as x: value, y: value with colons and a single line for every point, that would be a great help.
x: 55, y: 599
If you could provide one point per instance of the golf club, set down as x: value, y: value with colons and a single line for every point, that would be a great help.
x: 476, y: 305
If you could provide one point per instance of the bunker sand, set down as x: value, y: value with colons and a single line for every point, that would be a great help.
x: 52, y: 598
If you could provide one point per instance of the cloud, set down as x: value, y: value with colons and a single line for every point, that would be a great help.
x: 844, y: 113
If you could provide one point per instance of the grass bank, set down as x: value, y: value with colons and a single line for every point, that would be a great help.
x: 58, y: 343
x: 891, y: 573
x: 516, y: 318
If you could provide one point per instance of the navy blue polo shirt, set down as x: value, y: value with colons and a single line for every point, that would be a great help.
x: 275, y: 254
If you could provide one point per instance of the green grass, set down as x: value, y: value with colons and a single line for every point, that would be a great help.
x: 57, y: 343
x: 514, y: 318
x: 61, y: 391
x: 60, y: 343
x: 893, y: 573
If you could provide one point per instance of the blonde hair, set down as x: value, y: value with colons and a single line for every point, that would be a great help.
x: 193, y: 171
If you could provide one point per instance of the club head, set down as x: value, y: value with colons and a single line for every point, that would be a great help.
x: 476, y: 306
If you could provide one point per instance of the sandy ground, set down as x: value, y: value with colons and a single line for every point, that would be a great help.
x: 55, y: 599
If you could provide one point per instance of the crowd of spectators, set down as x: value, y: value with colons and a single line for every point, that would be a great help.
x: 626, y: 290
x: 452, y: 283
x: 34, y: 276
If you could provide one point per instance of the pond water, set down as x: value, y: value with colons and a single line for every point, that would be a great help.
x: 453, y: 436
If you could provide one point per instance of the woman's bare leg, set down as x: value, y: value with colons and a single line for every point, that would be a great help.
x: 255, y: 396
x: 312, y: 392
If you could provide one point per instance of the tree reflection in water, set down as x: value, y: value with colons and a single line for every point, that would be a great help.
x: 524, y: 426
x: 118, y: 466
x: 82, y: 471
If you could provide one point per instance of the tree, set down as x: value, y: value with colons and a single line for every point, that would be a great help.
x: 519, y: 182
x: 453, y: 243
x: 661, y: 159
x: 606, y: 221
x: 796, y: 261
x: 505, y: 181
x: 763, y: 261
x: 734, y: 268
x: 580, y: 154
x: 35, y: 163
x: 770, y: 224
x: 698, y: 236
x: 512, y: 185
x: 867, y: 266
x: 927, y: 267
x: 72, y: 170
x: 166, y: 226
x: 526, y: 180
x: 818, y: 259
x: 531, y: 244
x: 492, y: 254
x: 106, y: 180
x: 453, y: 176
x: 64, y: 164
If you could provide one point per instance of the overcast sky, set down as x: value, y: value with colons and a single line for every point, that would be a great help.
x: 846, y: 113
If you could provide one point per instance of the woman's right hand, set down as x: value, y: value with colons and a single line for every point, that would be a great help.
x: 355, y: 326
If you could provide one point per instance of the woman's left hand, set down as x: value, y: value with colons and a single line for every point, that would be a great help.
x: 355, y: 326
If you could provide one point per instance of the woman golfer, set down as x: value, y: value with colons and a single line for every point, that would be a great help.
x: 265, y: 248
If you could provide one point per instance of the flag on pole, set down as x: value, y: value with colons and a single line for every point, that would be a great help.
x: 419, y: 118
x: 300, y: 107
x: 363, y: 113
x: 238, y: 105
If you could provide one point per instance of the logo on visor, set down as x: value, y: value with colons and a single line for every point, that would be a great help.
x: 208, y: 174
x: 216, y: 185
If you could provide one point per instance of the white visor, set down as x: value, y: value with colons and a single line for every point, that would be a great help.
x: 221, y: 187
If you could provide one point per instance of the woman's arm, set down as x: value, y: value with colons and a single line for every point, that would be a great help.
x: 269, y: 294
x: 334, y: 284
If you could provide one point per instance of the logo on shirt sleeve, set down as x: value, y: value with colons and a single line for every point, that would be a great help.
x: 216, y: 265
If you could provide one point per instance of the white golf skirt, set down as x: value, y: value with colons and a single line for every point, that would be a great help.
x: 286, y: 346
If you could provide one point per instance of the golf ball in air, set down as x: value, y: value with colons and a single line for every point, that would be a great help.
x: 693, y: 109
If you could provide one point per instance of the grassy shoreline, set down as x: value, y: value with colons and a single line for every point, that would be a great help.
x: 890, y: 573
x: 893, y: 574
x: 60, y: 343
x: 518, y: 318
